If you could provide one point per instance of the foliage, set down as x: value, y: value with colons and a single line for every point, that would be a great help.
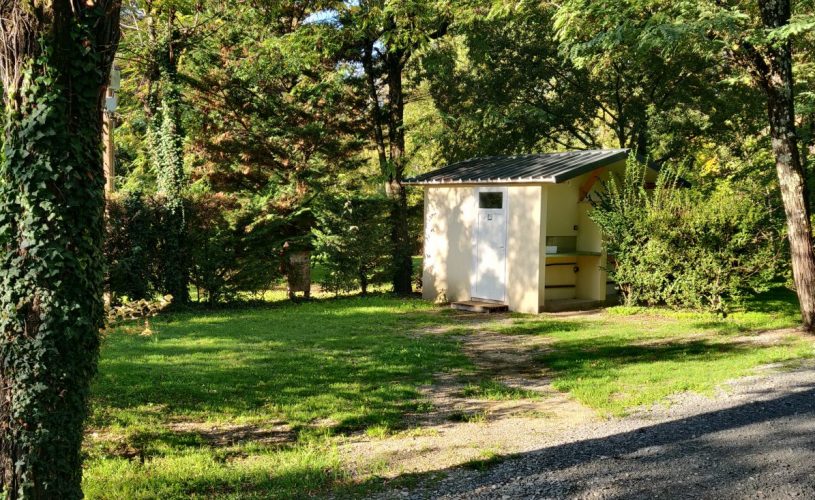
x: 243, y: 112
x: 51, y: 230
x: 507, y: 83
x: 383, y: 37
x: 130, y: 246
x: 230, y: 249
x: 352, y: 243
x: 164, y: 139
x: 684, y: 247
x: 276, y: 118
x: 754, y: 43
x: 235, y: 249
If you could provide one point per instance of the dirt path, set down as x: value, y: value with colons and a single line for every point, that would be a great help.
x: 459, y: 428
x: 466, y: 430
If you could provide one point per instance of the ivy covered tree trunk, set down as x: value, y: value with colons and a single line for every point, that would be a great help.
x: 55, y: 59
x: 773, y: 71
x: 165, y: 142
x: 170, y: 176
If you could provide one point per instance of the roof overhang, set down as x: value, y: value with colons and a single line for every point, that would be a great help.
x: 541, y: 180
x: 580, y: 162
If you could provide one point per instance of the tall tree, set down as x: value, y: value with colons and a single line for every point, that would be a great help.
x: 275, y: 118
x: 385, y: 35
x: 158, y: 33
x: 165, y: 138
x: 504, y: 84
x: 54, y: 63
x: 754, y: 38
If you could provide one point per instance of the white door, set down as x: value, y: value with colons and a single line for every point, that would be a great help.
x: 490, y: 245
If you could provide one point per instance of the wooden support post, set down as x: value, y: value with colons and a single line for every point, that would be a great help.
x: 108, y: 125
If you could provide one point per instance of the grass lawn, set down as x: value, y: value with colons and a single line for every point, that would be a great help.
x: 253, y: 402
x: 637, y: 356
x: 318, y: 369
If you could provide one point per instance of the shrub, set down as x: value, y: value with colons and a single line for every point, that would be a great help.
x: 234, y: 249
x: 130, y: 246
x: 684, y: 247
x: 229, y: 248
x: 352, y: 240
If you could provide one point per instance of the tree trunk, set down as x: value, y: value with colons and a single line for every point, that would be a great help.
x: 400, y: 237
x: 169, y: 164
x: 55, y: 60
x: 774, y: 73
x: 376, y: 109
x: 363, y: 280
x: 806, y: 146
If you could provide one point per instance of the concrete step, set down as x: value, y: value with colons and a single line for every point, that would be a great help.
x: 478, y: 306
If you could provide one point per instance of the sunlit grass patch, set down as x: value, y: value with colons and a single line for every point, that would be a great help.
x: 496, y: 391
x: 323, y: 369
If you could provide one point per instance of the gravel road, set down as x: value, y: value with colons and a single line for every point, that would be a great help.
x: 754, y: 439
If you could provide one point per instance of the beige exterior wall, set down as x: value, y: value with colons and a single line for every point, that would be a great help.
x: 523, y: 248
x: 450, y: 219
x: 450, y: 215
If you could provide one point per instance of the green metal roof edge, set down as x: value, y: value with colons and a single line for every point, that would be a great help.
x: 622, y: 153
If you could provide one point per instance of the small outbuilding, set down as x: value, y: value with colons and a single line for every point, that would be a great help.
x: 514, y: 231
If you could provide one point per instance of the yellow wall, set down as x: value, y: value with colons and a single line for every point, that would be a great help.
x: 450, y: 215
x: 523, y: 248
x: 542, y: 269
x: 591, y: 280
x: 561, y: 217
x: 563, y: 213
x: 589, y: 238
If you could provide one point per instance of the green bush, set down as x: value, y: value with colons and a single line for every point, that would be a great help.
x: 352, y: 241
x: 131, y: 243
x: 234, y: 249
x: 685, y: 247
x: 229, y: 249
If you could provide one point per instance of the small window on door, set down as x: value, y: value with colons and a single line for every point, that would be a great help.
x: 491, y: 200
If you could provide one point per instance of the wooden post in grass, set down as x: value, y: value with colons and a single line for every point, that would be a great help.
x: 298, y: 273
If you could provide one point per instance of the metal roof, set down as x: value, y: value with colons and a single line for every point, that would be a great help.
x: 544, y: 168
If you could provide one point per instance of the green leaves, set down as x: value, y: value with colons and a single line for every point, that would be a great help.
x: 684, y: 247
x: 799, y: 25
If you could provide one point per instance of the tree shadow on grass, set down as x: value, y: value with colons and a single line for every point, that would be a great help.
x: 581, y: 357
x: 350, y: 362
x: 781, y: 301
x: 544, y: 326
